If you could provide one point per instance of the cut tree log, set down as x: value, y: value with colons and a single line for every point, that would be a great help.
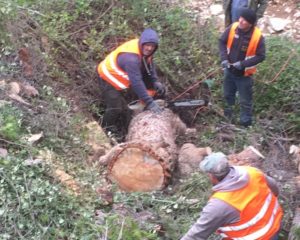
x: 250, y: 156
x: 146, y: 160
x: 190, y: 157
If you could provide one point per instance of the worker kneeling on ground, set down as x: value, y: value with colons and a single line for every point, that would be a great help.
x: 127, y: 74
x: 243, y: 205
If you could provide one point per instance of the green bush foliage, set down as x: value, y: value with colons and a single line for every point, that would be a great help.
x: 33, y: 207
x: 10, y: 122
x: 277, y: 94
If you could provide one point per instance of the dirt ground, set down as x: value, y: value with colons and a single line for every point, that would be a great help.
x: 281, y: 9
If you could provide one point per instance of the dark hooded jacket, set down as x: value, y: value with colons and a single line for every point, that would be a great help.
x: 141, y: 74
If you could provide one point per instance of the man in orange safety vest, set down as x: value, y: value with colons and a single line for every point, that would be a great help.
x: 243, y: 204
x: 127, y: 74
x: 242, y: 47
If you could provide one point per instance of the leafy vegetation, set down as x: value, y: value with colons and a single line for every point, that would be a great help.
x: 10, y: 122
x: 277, y: 88
x: 66, y: 40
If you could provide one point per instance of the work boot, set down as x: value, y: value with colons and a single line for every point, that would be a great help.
x: 228, y: 113
x: 246, y: 124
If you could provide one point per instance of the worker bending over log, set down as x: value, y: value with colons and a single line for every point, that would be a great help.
x: 127, y: 74
x: 243, y: 205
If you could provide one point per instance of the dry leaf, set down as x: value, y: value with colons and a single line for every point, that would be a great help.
x: 35, y: 137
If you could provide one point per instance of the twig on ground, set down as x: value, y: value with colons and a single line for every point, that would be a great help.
x: 197, y: 112
x: 121, y: 230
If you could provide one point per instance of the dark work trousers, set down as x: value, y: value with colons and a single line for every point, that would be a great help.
x: 243, y: 85
x: 117, y: 115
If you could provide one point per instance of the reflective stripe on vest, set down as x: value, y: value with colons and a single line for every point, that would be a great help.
x: 109, y: 70
x: 251, y: 51
x: 260, y: 212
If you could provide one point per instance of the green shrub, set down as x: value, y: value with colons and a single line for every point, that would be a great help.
x: 277, y: 94
x: 32, y: 206
x: 10, y: 122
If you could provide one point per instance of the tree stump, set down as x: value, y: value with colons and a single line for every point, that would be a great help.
x: 146, y: 160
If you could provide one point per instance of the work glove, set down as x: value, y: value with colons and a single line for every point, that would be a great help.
x: 153, y: 107
x: 237, y: 65
x: 159, y: 88
x: 225, y: 64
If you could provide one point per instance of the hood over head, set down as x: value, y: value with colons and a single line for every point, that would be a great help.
x: 149, y: 36
x: 237, y: 178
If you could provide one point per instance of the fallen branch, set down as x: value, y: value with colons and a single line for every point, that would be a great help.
x: 195, y: 84
x: 283, y: 66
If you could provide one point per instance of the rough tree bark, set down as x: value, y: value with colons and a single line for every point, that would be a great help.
x: 145, y: 161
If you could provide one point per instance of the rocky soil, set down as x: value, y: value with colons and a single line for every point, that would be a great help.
x: 281, y: 17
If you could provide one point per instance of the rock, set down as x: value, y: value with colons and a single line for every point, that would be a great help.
x: 288, y: 10
x: 278, y: 24
x: 3, y: 152
x: 216, y: 9
x: 297, y: 15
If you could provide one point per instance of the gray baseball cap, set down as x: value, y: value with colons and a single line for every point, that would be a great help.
x: 216, y: 164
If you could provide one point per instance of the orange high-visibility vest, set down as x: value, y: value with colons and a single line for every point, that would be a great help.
x: 260, y: 212
x: 109, y: 70
x: 251, y: 51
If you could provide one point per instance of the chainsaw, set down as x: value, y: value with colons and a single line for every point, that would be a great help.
x: 177, y: 104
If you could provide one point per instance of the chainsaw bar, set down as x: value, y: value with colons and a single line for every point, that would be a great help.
x: 186, y: 103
